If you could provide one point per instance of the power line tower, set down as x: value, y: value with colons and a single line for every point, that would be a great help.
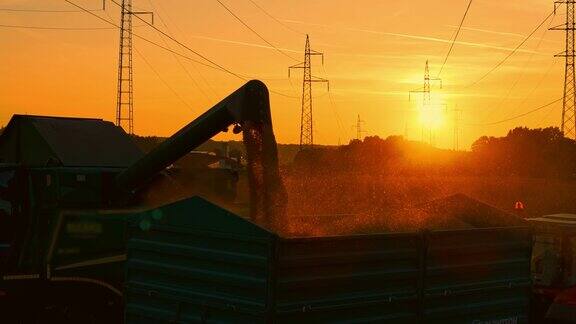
x: 306, y: 120
x: 125, y: 94
x: 426, y: 98
x: 569, y: 100
x: 425, y: 90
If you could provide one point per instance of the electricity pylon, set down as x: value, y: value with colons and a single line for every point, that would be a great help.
x: 569, y: 99
x: 125, y: 94
x: 306, y: 118
x: 426, y: 98
x: 425, y: 90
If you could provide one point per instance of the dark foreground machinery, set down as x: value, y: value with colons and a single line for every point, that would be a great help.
x: 63, y: 182
x: 84, y: 242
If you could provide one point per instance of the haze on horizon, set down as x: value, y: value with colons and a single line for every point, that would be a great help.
x: 375, y: 53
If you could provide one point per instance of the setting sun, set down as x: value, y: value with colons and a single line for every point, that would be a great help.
x: 432, y: 117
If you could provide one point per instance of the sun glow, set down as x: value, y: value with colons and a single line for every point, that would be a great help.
x: 432, y: 117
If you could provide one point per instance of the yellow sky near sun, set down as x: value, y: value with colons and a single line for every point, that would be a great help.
x: 375, y: 53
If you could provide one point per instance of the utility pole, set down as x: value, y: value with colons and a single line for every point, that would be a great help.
x: 456, y: 139
x: 426, y: 98
x: 125, y: 91
x: 569, y: 100
x: 306, y: 119
x: 359, y: 131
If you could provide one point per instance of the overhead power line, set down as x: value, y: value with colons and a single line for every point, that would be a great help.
x: 156, y: 71
x: 275, y: 19
x: 207, y: 96
x: 54, y: 10
x: 45, y: 11
x: 513, y: 51
x: 159, y: 76
x: 183, y: 45
x: 160, y: 46
x: 454, y: 39
x: 255, y: 32
x: 180, y: 64
x: 520, y: 77
x: 520, y: 115
x: 216, y: 66
x: 56, y: 28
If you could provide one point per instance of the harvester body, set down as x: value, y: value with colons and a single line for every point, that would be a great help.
x: 68, y: 187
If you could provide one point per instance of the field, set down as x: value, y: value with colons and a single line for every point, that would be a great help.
x: 352, y: 203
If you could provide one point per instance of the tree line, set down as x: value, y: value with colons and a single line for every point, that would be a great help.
x: 541, y: 152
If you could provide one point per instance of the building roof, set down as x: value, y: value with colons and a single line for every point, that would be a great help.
x: 62, y: 141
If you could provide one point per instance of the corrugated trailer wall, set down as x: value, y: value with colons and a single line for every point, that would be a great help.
x: 193, y: 262
x: 365, y: 278
x: 477, y: 276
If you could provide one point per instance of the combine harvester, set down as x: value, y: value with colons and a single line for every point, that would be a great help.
x: 80, y: 244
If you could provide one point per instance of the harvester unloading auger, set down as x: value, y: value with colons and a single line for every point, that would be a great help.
x: 248, y: 110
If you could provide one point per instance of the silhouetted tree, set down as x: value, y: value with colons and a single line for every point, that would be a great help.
x: 542, y: 152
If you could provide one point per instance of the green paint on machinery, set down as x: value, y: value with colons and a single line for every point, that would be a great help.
x: 81, y: 242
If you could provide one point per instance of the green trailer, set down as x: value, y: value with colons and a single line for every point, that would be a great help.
x: 194, y: 262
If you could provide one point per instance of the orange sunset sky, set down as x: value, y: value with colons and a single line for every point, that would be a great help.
x: 375, y: 53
